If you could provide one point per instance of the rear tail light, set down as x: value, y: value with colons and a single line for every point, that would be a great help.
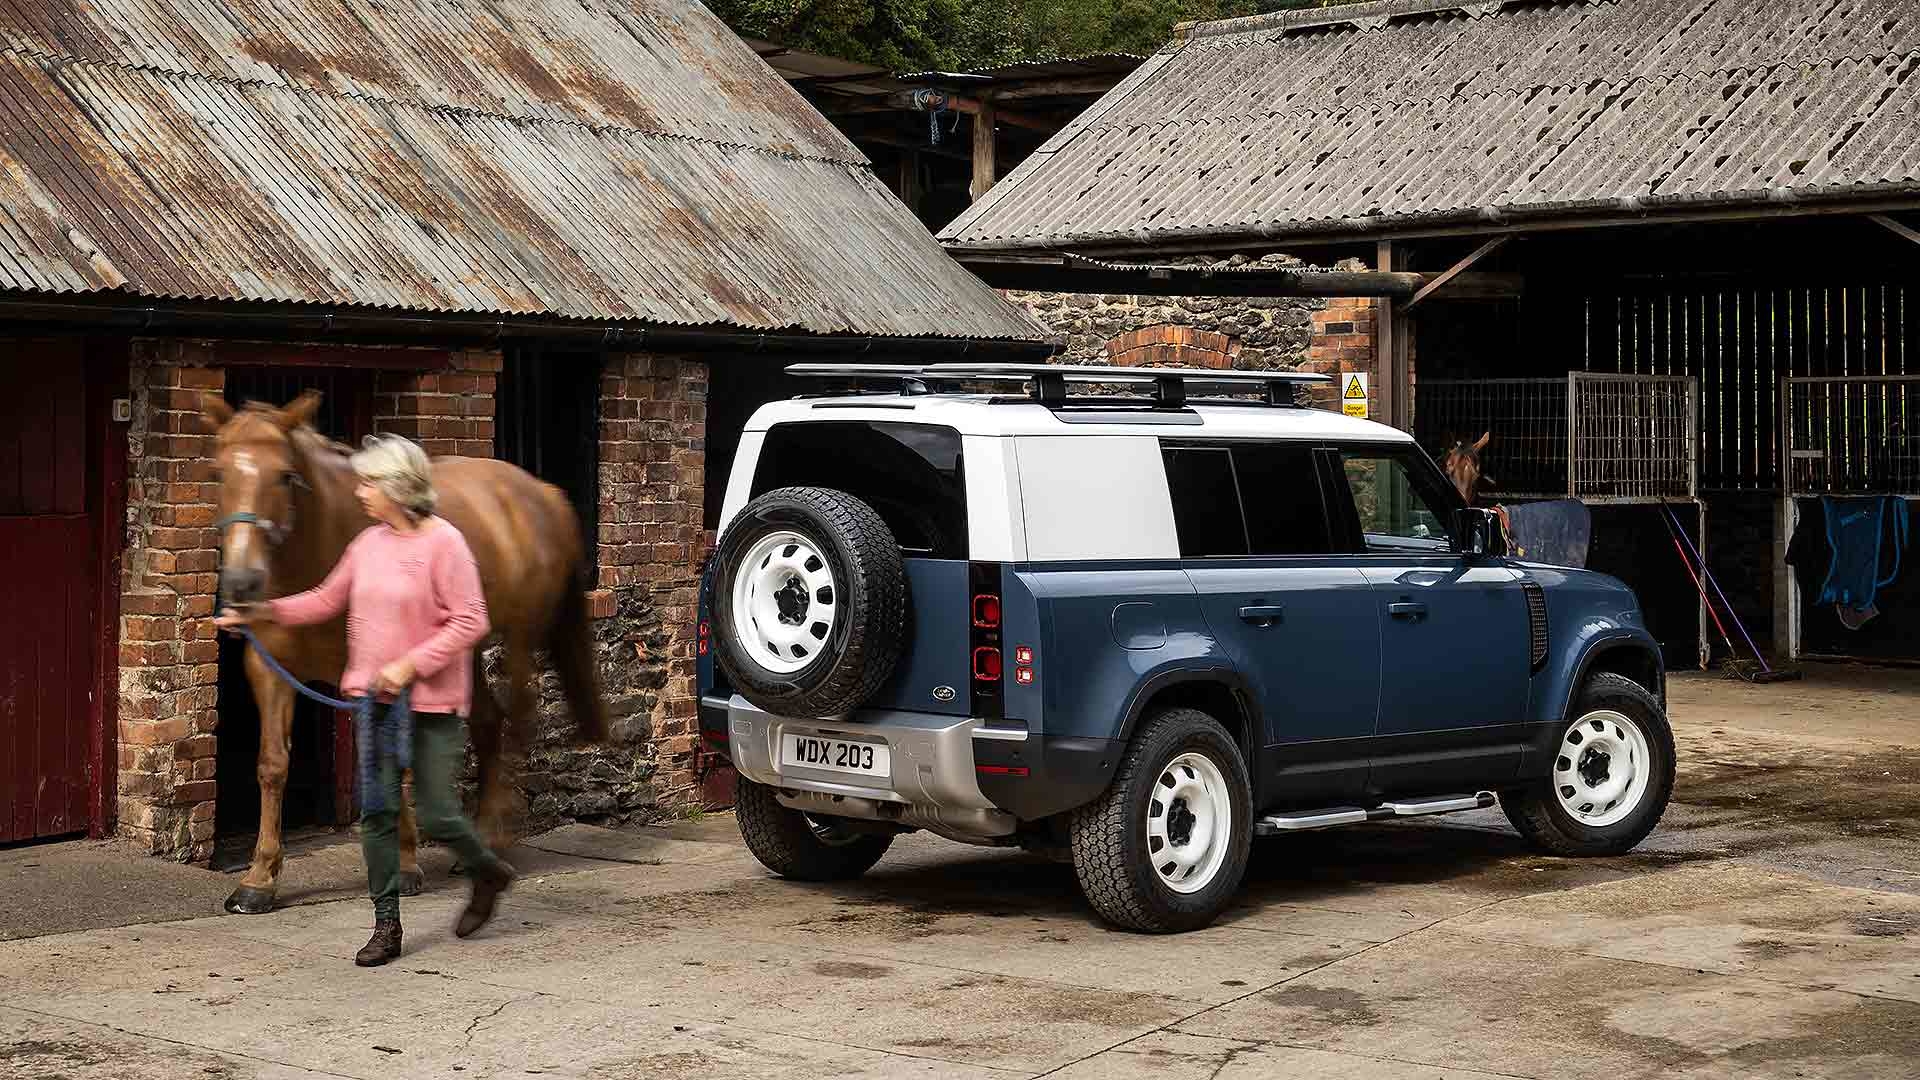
x: 986, y: 664
x: 986, y: 611
x: 704, y: 637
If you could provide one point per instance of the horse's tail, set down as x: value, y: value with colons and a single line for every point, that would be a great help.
x: 571, y: 647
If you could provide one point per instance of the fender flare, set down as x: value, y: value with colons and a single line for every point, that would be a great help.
x: 1228, y: 677
x: 1611, y: 643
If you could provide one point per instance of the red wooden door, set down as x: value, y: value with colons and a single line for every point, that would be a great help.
x: 46, y: 593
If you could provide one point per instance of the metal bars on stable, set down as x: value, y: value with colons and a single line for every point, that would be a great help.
x: 1600, y: 438
x: 1632, y: 438
x: 1851, y: 435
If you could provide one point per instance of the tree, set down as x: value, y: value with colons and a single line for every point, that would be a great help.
x: 955, y: 35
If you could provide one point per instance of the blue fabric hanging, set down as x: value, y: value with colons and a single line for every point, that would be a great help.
x: 1857, y: 530
x: 389, y: 736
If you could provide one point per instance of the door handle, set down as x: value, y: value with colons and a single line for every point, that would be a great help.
x: 1262, y: 614
x: 1407, y: 611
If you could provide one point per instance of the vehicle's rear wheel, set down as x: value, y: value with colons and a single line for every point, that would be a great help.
x: 1610, y: 778
x: 1163, y: 849
x: 799, y: 846
x: 809, y: 602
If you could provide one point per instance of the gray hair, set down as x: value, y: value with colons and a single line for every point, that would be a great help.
x: 400, y: 469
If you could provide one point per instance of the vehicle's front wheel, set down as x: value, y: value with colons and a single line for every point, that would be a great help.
x: 796, y: 845
x: 1610, y: 778
x: 1163, y: 849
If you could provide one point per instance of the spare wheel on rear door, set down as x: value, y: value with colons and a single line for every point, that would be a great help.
x: 809, y: 602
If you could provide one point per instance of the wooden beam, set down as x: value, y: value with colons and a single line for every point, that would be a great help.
x: 910, y: 179
x: 983, y: 171
x: 1393, y: 334
x: 1454, y: 271
x: 972, y: 106
x: 1895, y: 227
x: 1085, y: 85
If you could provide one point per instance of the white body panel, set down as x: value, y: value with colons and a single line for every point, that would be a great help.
x: 1096, y: 497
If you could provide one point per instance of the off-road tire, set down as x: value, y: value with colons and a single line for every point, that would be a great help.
x: 1109, y: 840
x: 1536, y: 812
x: 787, y: 843
x: 870, y: 580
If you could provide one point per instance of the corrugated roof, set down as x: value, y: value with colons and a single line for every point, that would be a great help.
x: 1360, y: 119
x: 576, y: 158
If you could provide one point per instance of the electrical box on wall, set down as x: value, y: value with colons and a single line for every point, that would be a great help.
x: 122, y: 410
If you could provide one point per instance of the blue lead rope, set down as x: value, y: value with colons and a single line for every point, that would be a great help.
x: 389, y: 738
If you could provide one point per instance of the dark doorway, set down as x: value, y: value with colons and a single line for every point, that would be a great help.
x: 735, y: 388
x: 547, y: 421
x: 319, y: 770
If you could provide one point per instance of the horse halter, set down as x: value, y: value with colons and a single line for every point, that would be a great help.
x: 276, y: 531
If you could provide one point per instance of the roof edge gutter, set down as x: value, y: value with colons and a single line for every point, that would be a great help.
x: 356, y: 327
x: 1586, y: 213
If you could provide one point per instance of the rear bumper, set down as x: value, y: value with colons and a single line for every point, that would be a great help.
x: 950, y: 774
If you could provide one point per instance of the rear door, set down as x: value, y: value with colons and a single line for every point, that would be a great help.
x: 1454, y: 630
x: 1296, y: 616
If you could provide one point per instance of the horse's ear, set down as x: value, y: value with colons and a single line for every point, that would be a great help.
x: 216, y: 410
x: 1482, y: 444
x: 301, y: 411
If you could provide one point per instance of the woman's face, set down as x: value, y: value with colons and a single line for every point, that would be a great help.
x: 375, y: 502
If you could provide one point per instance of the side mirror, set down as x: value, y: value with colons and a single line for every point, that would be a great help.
x: 1477, y: 532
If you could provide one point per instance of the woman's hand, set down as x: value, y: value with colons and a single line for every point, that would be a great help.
x: 395, y: 677
x: 239, y: 615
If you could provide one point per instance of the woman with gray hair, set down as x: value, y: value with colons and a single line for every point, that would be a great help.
x: 411, y: 592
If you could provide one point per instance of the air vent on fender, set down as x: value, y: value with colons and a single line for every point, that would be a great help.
x: 1536, y: 623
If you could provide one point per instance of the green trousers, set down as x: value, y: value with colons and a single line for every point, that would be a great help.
x: 439, y: 751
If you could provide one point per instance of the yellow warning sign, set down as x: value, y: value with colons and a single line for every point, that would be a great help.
x: 1353, y: 394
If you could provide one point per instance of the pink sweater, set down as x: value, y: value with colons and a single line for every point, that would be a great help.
x: 406, y: 595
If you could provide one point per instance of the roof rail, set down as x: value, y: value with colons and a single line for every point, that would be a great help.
x: 1049, y: 381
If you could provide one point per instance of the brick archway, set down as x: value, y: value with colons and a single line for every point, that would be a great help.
x: 1172, y: 345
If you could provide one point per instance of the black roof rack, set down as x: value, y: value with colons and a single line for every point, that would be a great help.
x: 1048, y: 382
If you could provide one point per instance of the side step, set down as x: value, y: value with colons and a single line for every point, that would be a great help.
x: 1301, y: 820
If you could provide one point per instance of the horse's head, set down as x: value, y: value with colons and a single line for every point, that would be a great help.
x: 1461, y: 463
x: 258, y: 467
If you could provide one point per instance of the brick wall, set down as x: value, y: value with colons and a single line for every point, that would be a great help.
x: 168, y: 655
x: 446, y: 412
x: 1169, y: 344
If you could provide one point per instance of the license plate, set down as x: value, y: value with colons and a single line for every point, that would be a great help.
x: 836, y: 755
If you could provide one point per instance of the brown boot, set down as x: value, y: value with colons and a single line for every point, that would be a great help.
x: 383, y: 946
x: 488, y: 883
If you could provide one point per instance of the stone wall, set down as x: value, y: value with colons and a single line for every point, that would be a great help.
x: 651, y: 545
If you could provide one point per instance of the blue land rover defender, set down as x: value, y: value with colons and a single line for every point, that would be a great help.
x: 1139, y: 629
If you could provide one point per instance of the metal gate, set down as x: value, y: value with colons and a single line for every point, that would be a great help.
x: 1598, y: 437
x: 1846, y: 435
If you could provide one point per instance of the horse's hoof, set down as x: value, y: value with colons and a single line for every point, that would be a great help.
x: 412, y: 883
x: 247, y: 900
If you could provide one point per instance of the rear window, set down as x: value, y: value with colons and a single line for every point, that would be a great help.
x: 911, y: 474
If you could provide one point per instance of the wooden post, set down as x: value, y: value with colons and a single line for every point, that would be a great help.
x: 910, y: 179
x: 983, y: 176
x: 1393, y: 341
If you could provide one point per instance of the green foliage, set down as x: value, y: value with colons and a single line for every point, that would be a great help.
x: 954, y: 35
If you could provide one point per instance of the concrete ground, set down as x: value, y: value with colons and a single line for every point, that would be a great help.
x: 1769, y: 928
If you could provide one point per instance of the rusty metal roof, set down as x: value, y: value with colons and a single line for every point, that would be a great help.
x: 584, y: 159
x: 1366, y: 119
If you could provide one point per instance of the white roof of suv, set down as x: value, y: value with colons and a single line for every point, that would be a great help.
x: 973, y: 414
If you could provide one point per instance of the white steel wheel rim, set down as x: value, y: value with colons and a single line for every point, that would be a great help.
x: 785, y: 602
x: 1189, y: 823
x: 1601, y: 768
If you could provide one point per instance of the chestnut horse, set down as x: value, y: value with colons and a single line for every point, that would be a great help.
x: 287, y: 512
x: 1461, y: 463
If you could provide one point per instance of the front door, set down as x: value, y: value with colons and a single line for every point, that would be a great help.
x: 1454, y: 631
x: 46, y: 593
x: 1297, y: 618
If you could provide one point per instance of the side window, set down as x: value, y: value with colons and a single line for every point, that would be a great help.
x: 1280, y: 494
x: 1206, y: 503
x: 1400, y: 506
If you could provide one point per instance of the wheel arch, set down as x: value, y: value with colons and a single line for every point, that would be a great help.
x: 1629, y: 658
x: 1221, y: 693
